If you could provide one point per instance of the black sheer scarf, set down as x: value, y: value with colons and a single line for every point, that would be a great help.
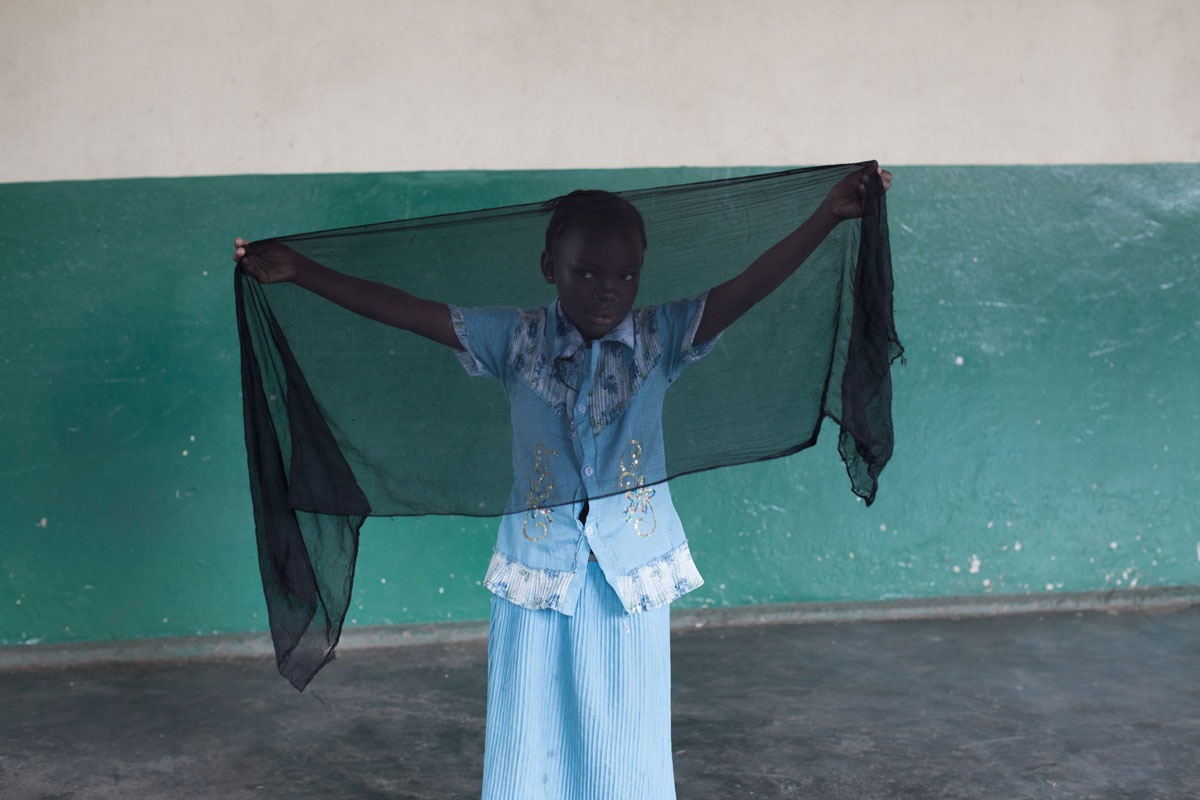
x: 347, y: 418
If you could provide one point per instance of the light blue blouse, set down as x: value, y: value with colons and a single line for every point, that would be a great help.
x: 587, y: 427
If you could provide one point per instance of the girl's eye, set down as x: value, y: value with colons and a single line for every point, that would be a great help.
x: 587, y: 275
x: 629, y: 276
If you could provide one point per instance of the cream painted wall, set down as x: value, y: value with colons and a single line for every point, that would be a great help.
x: 118, y: 88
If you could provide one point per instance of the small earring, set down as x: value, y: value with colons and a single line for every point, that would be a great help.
x: 549, y: 279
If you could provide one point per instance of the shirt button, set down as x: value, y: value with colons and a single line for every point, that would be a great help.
x: 581, y: 408
x: 589, y: 530
x: 588, y: 471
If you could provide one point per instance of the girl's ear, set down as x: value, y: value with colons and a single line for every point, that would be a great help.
x: 548, y: 266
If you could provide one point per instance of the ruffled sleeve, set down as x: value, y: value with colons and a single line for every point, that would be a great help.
x: 485, y: 334
x: 678, y: 322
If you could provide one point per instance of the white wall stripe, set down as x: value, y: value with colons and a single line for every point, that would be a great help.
x: 115, y: 88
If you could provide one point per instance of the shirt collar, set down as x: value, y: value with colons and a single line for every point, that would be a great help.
x: 568, y: 340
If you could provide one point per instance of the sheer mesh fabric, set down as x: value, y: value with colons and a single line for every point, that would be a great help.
x: 347, y: 418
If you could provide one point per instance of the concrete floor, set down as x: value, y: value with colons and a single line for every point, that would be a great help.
x: 1068, y: 705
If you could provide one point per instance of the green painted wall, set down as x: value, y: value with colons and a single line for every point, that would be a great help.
x: 1047, y: 421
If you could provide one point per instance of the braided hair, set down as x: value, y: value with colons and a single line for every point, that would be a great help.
x: 569, y: 208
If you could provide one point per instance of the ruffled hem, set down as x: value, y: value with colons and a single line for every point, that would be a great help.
x: 654, y: 584
x: 471, y: 364
x: 690, y: 352
x: 659, y: 581
x: 528, y: 587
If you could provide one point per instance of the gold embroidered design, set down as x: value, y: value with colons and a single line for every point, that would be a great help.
x: 539, y: 493
x: 638, y: 494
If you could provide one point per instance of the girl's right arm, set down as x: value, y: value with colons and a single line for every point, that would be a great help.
x: 273, y: 262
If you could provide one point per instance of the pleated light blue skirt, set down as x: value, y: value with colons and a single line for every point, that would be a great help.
x: 579, y: 707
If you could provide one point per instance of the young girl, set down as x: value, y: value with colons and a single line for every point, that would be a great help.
x: 578, y: 703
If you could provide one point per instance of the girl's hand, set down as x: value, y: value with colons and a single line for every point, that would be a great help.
x: 266, y: 262
x: 845, y: 200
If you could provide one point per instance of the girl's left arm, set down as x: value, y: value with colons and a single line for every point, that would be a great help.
x: 736, y: 296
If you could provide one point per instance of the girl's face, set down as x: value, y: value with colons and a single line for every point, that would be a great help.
x: 596, y: 264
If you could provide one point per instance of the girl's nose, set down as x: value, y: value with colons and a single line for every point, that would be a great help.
x: 606, y: 289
